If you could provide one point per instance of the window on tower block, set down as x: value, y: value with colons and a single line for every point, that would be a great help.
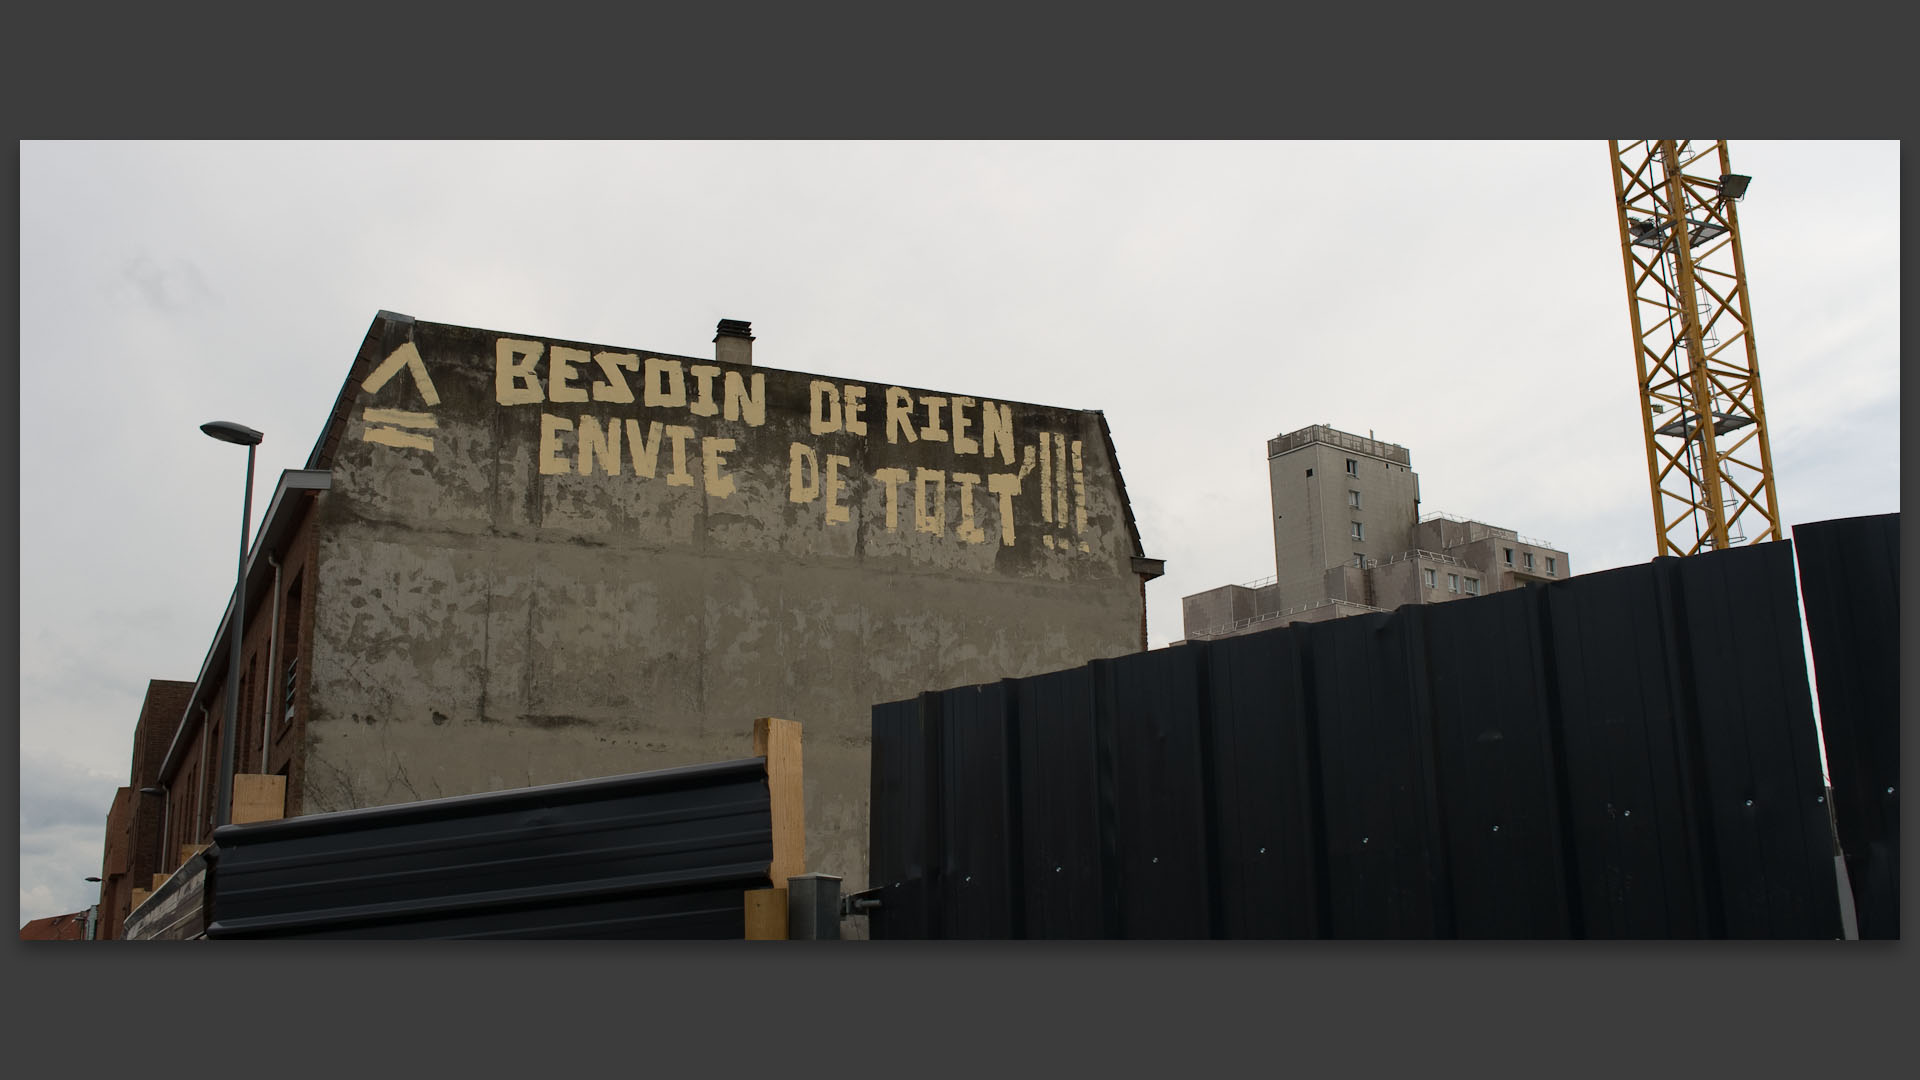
x: 1353, y: 467
x: 1453, y: 583
x: 1473, y: 586
x: 1359, y: 531
x: 1509, y: 554
x: 1359, y: 560
x: 1527, y: 559
x: 1550, y: 566
x: 1353, y: 499
x: 1433, y: 578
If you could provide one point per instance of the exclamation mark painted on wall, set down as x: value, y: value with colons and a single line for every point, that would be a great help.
x: 1060, y: 490
x: 1063, y: 489
x: 1046, y: 478
x: 1080, y: 496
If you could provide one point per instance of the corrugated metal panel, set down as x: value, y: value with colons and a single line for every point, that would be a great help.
x: 1636, y: 868
x: 1496, y: 768
x: 177, y: 909
x: 1624, y: 754
x: 1850, y: 579
x: 665, y: 854
x: 1266, y: 789
x: 1759, y: 792
x: 1382, y: 873
x: 1064, y: 802
x: 1155, y: 710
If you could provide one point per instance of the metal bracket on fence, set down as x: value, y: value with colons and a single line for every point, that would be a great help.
x: 860, y: 903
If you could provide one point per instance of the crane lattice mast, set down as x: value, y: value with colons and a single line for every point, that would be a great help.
x: 1708, y: 459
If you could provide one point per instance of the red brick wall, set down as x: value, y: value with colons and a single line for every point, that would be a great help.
x: 288, y: 738
x: 160, y: 715
x: 116, y: 869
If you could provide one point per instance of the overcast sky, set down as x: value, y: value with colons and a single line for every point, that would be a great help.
x: 1465, y: 300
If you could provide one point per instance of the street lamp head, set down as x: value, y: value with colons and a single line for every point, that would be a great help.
x: 94, y: 879
x: 228, y: 431
x: 152, y: 791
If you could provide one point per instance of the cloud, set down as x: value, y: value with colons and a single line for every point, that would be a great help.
x: 63, y: 819
x: 54, y: 865
x: 172, y: 289
x: 39, y: 903
x: 54, y: 793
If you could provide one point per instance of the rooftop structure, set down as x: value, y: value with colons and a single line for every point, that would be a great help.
x: 1349, y: 538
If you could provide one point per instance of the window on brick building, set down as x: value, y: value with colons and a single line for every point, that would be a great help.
x: 290, y: 636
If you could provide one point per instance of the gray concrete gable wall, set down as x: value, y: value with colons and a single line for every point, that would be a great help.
x: 544, y: 560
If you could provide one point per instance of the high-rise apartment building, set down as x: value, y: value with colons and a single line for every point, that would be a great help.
x: 1349, y: 537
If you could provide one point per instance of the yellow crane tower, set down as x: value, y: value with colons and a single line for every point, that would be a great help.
x: 1708, y: 459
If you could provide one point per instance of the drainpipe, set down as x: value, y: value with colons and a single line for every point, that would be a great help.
x: 200, y: 784
x: 273, y: 660
x: 166, y: 831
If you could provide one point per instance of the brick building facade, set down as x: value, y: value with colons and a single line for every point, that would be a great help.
x: 132, y: 852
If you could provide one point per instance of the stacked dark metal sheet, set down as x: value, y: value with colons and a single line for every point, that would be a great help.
x: 665, y: 854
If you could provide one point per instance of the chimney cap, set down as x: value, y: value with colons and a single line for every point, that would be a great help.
x: 739, y: 328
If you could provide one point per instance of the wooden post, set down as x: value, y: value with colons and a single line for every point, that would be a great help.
x: 779, y: 742
x: 258, y: 797
x: 766, y: 914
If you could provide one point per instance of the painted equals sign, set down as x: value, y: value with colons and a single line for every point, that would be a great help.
x: 389, y: 424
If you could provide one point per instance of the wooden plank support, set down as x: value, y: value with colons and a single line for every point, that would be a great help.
x: 766, y: 914
x: 159, y: 880
x: 139, y: 897
x: 778, y: 741
x: 259, y: 797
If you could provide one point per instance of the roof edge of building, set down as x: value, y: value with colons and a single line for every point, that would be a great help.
x: 274, y: 525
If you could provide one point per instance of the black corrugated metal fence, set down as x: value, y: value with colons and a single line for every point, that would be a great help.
x: 1629, y: 754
